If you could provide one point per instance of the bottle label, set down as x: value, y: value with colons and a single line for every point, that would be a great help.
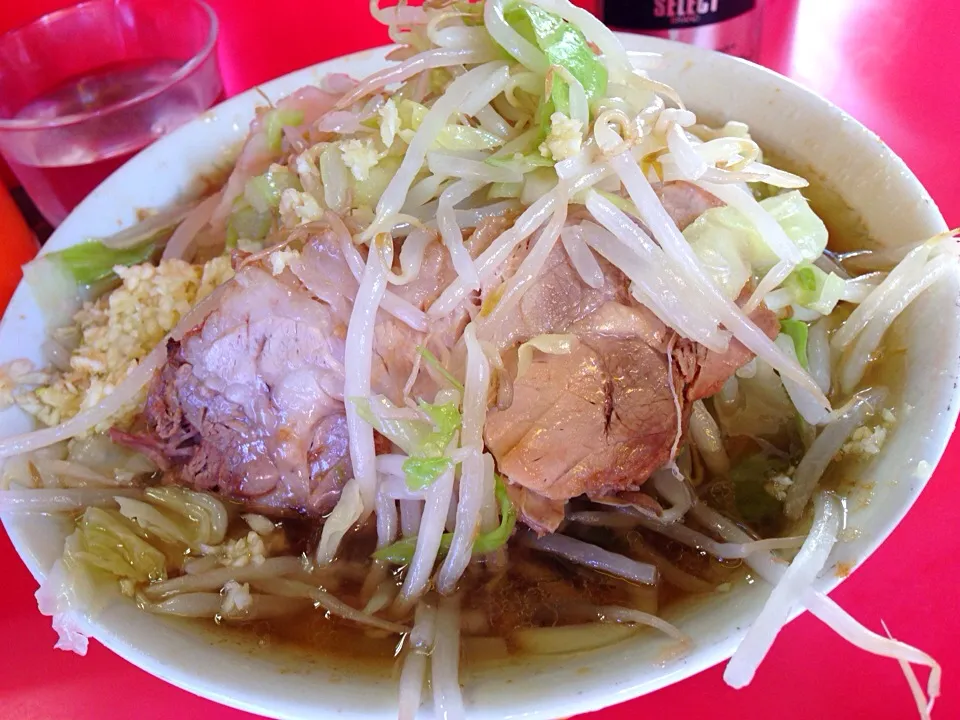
x: 671, y: 14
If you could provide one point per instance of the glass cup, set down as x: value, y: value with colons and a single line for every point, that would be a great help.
x: 84, y: 88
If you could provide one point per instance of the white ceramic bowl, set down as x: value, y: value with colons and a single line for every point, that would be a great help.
x: 839, y: 152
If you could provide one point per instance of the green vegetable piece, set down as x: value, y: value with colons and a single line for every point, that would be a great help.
x: 268, y: 188
x: 500, y: 190
x: 439, y: 79
x: 246, y: 222
x: 564, y: 45
x: 92, y: 261
x: 112, y: 543
x: 463, y: 137
x: 520, y: 20
x: 407, y: 434
x: 367, y: 192
x: 450, y: 137
x: 488, y: 542
x: 401, y: 552
x: 763, y: 191
x: 471, y: 12
x: 621, y: 202
x: 537, y: 183
x: 806, y: 279
x: 830, y: 293
x: 545, y: 108
x: 446, y: 420
x: 797, y: 331
x: 731, y: 248
x: 814, y: 289
x: 523, y: 164
x: 416, y: 437
x: 411, y: 113
x: 438, y: 366
x: 422, y: 472
x: 798, y: 220
x: 275, y: 121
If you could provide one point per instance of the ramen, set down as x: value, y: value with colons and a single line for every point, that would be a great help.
x: 496, y: 350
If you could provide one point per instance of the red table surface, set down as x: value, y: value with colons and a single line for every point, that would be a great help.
x: 891, y: 64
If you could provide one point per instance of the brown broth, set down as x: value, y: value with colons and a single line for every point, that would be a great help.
x: 530, y: 590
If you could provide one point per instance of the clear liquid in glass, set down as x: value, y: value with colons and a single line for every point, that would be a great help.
x: 59, y: 175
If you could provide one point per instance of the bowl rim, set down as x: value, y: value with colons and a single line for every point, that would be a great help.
x: 701, y: 658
